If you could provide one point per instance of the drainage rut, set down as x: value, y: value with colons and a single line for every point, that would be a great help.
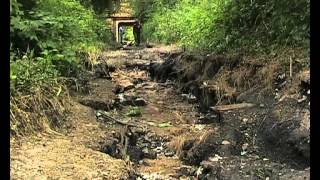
x: 165, y: 134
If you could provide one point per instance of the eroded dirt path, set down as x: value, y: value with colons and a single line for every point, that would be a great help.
x: 133, y: 127
x: 70, y: 156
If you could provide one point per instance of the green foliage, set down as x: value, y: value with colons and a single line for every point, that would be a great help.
x: 128, y: 35
x: 47, y: 37
x: 134, y: 111
x: 144, y: 8
x: 53, y: 31
x: 165, y: 125
x: 29, y: 74
x: 227, y: 25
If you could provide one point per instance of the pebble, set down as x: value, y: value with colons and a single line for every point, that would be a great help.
x: 245, y: 120
x: 169, y: 154
x: 225, y: 142
x: 245, y: 146
x: 215, y: 158
x: 158, y: 149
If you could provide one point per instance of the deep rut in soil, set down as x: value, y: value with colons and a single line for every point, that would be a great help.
x: 164, y: 135
x: 155, y: 130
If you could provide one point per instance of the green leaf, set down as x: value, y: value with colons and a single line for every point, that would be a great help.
x: 165, y: 125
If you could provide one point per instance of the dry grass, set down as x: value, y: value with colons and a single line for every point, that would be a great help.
x: 39, y: 111
x: 242, y: 77
x: 267, y: 74
x: 204, y: 137
x: 89, y: 59
x: 178, y: 142
x: 224, y: 90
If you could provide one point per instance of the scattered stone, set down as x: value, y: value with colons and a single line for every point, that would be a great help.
x: 244, y: 146
x: 155, y: 176
x: 159, y: 149
x: 139, y: 102
x: 216, y: 158
x: 189, y: 97
x: 121, y: 98
x: 130, y: 100
x: 245, y: 120
x: 225, y: 142
x: 169, y: 154
x: 208, y: 119
x: 199, y: 127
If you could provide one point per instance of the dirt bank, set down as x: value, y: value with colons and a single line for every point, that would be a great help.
x: 280, y: 118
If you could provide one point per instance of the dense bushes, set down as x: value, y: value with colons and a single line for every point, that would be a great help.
x: 224, y: 25
x: 54, y: 31
x: 46, y: 36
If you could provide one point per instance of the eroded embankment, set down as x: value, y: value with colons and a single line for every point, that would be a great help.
x: 207, y: 117
x: 280, y: 119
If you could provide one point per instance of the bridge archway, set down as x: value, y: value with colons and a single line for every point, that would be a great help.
x: 122, y: 22
x: 123, y: 16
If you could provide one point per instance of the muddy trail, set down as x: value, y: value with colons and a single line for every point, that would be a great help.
x: 147, y: 119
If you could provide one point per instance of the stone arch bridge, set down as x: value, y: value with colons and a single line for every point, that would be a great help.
x: 122, y: 17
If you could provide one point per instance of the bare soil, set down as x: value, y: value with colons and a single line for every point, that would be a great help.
x: 173, y: 134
